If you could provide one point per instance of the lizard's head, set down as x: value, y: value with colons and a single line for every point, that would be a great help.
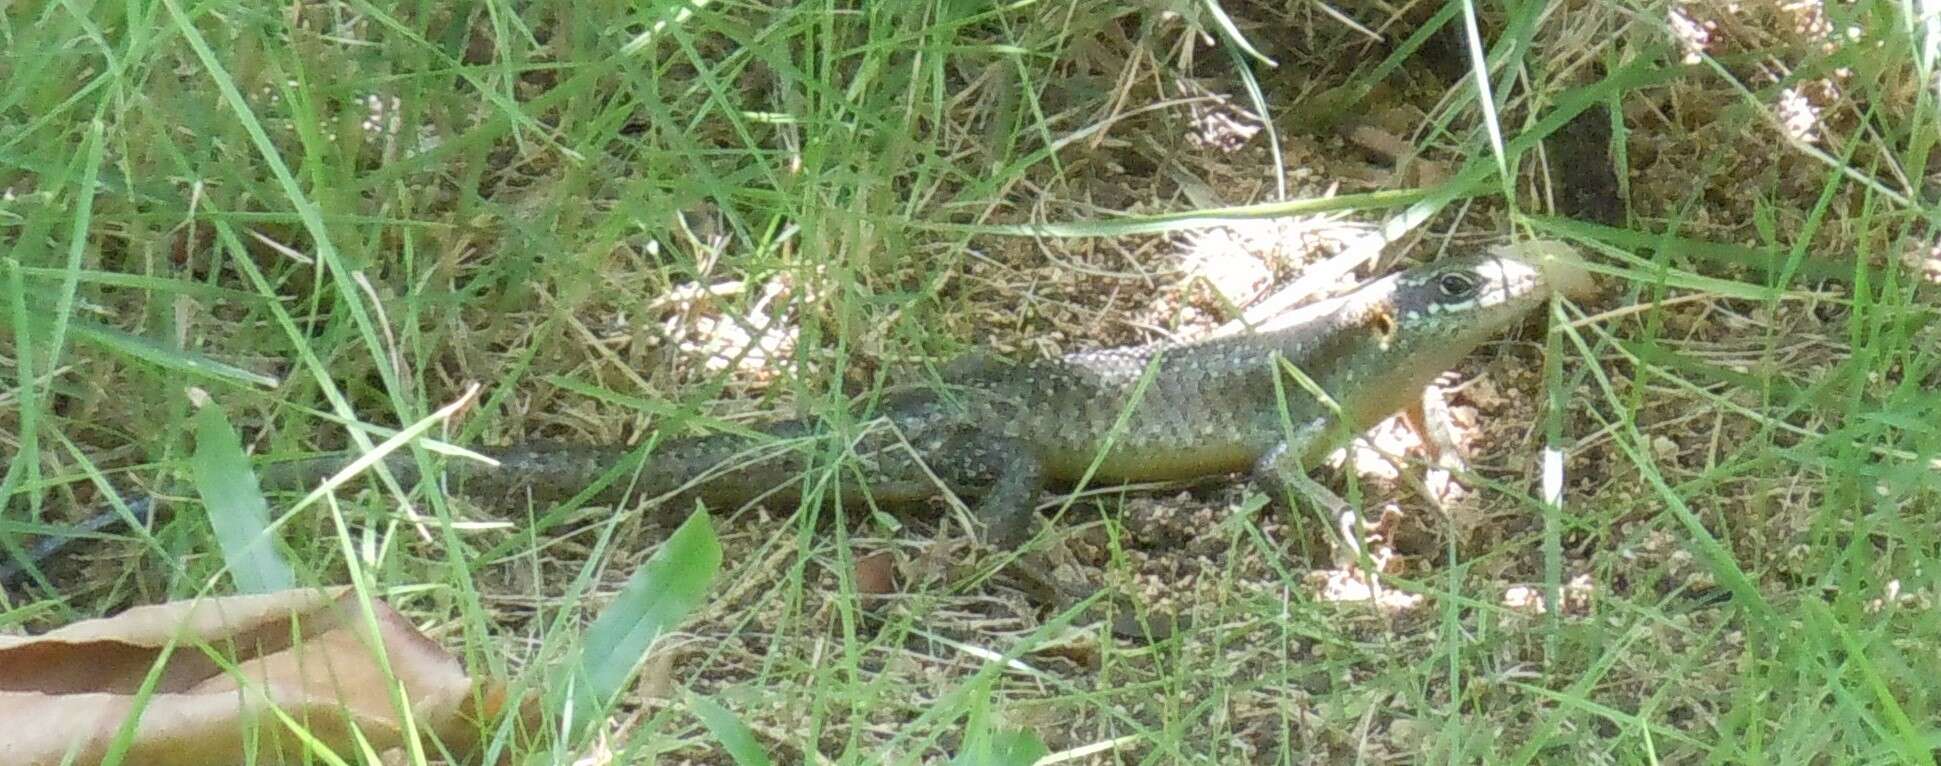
x: 1393, y: 336
x: 1454, y: 304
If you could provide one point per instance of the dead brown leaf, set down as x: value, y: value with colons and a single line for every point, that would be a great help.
x: 876, y: 574
x: 237, y: 678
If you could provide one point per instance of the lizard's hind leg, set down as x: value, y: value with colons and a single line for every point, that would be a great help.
x: 1001, y: 472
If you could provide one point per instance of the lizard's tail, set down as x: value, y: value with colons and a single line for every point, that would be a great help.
x: 720, y: 469
x: 724, y: 470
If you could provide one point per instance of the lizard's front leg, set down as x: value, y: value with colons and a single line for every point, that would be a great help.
x: 1282, y: 472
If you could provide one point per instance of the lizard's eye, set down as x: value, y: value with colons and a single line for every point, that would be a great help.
x: 1456, y: 285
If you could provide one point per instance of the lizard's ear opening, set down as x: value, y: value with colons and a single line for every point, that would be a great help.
x: 1383, y: 321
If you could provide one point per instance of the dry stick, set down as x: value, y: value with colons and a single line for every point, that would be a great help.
x: 1315, y: 280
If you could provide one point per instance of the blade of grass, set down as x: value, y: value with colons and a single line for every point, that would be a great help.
x: 238, y: 513
x: 1716, y: 556
x: 655, y: 599
x: 728, y: 729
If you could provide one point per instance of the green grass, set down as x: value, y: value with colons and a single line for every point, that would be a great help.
x: 588, y: 209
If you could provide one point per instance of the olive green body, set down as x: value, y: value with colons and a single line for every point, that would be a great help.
x: 1000, y: 432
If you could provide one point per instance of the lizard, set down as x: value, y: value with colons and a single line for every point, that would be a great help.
x: 1272, y: 401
